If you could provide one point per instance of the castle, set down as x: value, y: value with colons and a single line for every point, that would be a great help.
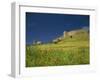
x: 73, y: 32
x: 70, y: 33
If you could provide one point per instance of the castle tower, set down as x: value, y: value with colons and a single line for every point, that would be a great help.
x: 65, y: 34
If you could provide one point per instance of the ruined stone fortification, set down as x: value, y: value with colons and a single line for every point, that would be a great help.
x: 71, y: 33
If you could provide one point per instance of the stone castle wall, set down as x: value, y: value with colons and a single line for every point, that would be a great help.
x: 70, y: 33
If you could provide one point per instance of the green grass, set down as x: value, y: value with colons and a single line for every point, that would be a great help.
x: 53, y: 55
x: 73, y: 51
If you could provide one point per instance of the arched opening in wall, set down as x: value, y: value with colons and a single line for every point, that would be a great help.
x: 70, y: 36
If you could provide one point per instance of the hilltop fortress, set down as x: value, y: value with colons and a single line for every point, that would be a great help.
x: 73, y: 32
x: 80, y: 33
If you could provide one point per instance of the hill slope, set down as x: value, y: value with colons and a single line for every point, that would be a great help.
x: 71, y: 49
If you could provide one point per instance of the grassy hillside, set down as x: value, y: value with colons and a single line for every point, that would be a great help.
x: 72, y: 50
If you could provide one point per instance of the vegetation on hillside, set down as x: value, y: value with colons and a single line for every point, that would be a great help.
x: 71, y: 50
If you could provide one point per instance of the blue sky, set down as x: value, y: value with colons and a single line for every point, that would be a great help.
x: 46, y: 26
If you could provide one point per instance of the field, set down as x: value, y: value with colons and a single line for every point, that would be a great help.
x: 68, y: 51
